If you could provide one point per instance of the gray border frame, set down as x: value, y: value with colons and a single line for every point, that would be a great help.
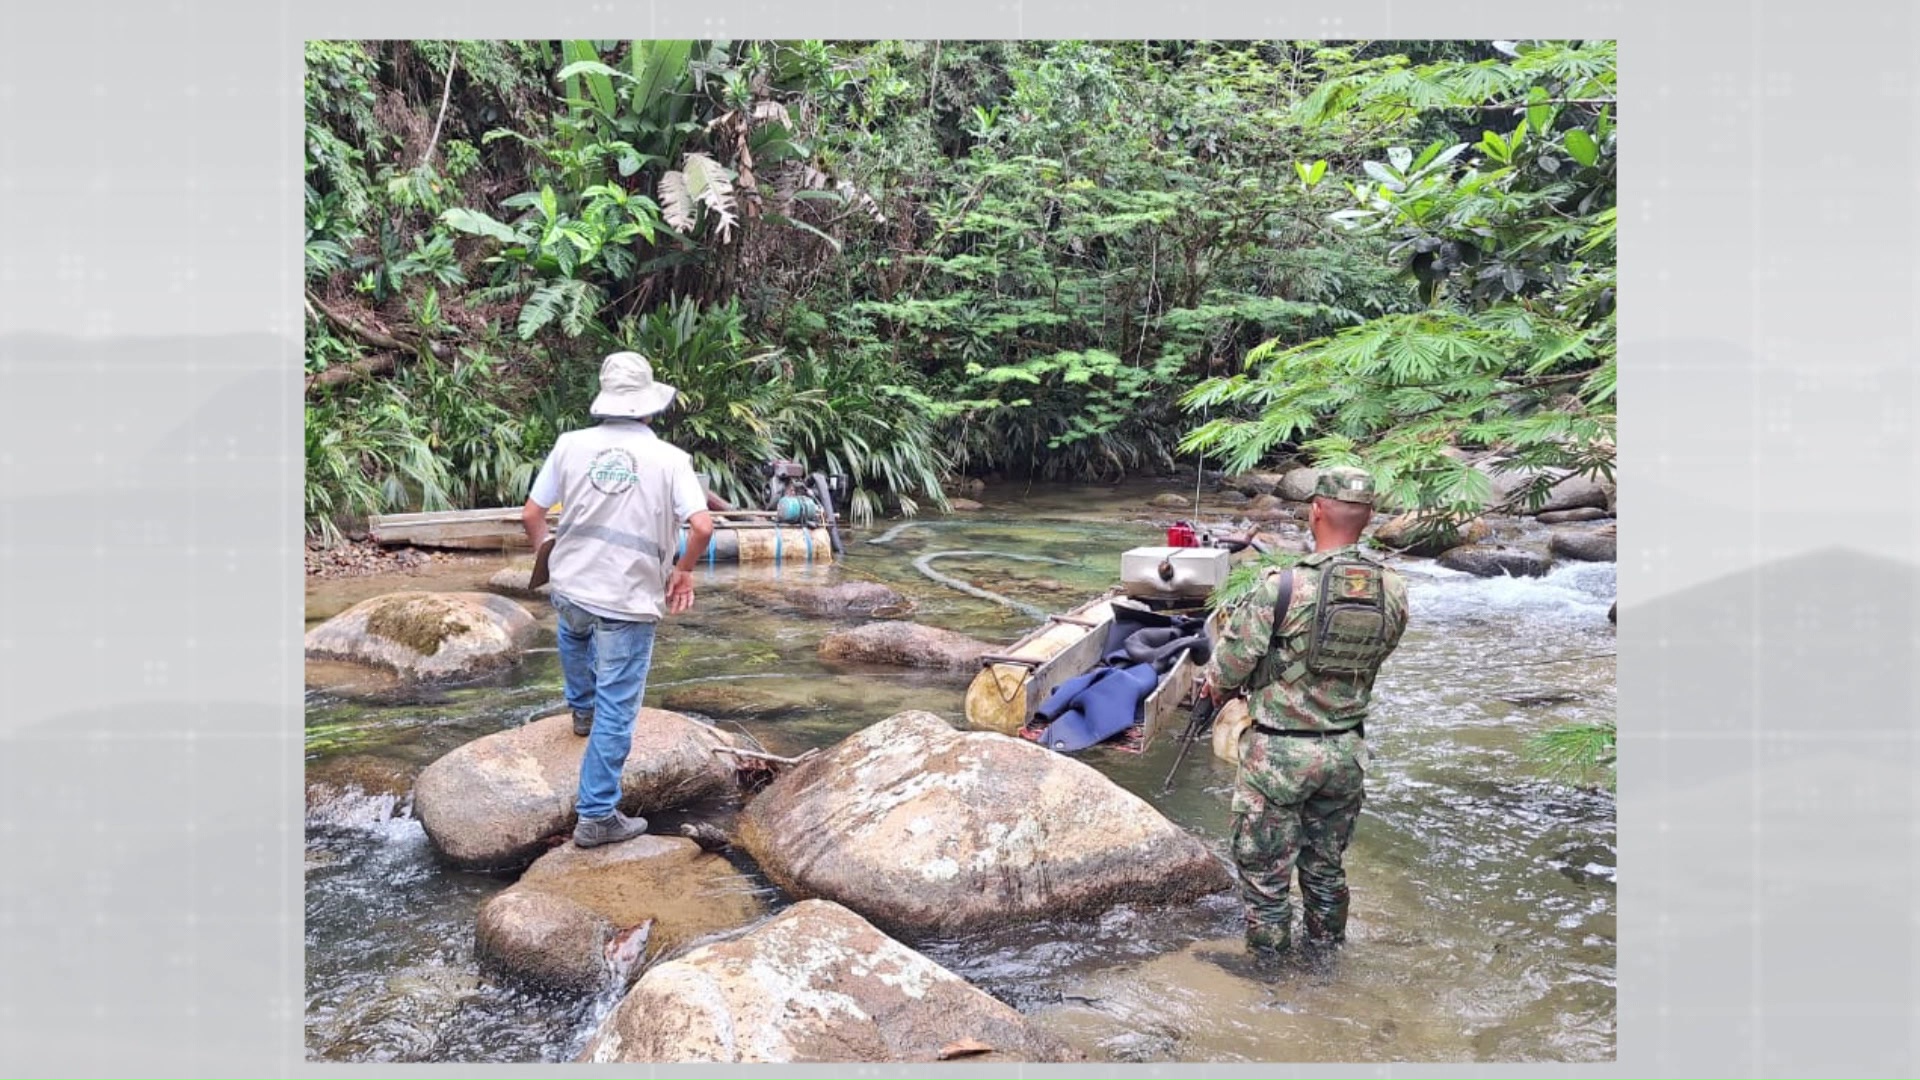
x: 150, y: 905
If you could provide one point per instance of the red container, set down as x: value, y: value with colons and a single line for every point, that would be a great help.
x: 1181, y: 535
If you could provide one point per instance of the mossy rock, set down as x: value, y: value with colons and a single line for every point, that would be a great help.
x: 426, y: 635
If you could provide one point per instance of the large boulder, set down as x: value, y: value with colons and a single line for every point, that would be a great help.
x: 904, y: 644
x: 924, y: 829
x: 1253, y: 483
x: 1486, y: 560
x: 569, y: 921
x: 1298, y: 484
x: 1570, y: 492
x: 816, y: 983
x: 1405, y: 534
x: 498, y: 801
x: 1171, y: 501
x: 1589, y: 545
x: 1576, y: 492
x: 840, y: 600
x: 426, y: 636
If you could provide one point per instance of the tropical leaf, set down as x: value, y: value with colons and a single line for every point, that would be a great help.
x: 479, y: 224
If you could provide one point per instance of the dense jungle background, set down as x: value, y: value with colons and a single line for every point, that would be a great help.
x: 909, y: 262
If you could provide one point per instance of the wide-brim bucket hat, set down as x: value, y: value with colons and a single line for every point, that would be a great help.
x: 628, y: 388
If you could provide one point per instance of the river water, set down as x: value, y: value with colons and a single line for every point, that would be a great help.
x: 1484, y: 893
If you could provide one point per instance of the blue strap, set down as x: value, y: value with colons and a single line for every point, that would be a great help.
x: 779, y: 531
x: 808, y: 533
x: 680, y: 548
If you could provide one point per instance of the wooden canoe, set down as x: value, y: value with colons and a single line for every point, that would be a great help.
x: 1011, y: 682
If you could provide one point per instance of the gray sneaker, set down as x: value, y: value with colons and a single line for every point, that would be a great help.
x: 583, y: 722
x: 615, y: 827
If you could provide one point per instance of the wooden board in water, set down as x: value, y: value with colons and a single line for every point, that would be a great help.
x: 752, y: 539
x: 490, y: 529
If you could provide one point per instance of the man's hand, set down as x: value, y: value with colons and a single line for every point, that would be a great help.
x: 533, y: 518
x: 680, y: 591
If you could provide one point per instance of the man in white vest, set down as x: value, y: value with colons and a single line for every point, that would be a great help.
x: 615, y: 571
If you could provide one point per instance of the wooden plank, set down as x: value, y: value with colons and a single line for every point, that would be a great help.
x: 489, y: 528
x: 444, y: 517
x: 1162, y: 707
x: 463, y: 534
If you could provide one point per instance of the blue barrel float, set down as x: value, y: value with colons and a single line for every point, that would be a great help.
x: 768, y: 544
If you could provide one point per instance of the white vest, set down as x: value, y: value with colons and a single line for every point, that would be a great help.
x: 618, y: 530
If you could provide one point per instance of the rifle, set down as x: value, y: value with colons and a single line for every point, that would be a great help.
x: 1197, y: 721
x: 1204, y: 707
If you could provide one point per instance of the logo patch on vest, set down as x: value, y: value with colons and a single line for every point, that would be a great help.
x: 612, y: 471
x: 1355, y: 584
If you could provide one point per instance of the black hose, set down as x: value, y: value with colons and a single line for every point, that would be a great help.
x: 826, y: 503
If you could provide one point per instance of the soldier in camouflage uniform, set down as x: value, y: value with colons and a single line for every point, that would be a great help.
x: 1303, y: 760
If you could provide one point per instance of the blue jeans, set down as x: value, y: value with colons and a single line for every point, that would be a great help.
x: 604, y: 662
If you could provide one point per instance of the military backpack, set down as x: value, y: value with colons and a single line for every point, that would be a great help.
x: 1350, y: 633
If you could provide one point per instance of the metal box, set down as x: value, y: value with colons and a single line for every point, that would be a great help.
x: 1173, y: 571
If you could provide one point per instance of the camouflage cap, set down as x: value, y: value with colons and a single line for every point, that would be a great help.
x: 1345, y: 484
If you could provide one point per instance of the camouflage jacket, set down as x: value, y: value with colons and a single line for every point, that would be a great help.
x: 1312, y: 702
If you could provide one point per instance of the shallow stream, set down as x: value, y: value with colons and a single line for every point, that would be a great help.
x: 1484, y: 895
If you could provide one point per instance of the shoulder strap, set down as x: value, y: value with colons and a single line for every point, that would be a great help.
x: 1280, y: 604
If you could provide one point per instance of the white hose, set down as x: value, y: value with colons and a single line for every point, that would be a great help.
x: 921, y: 564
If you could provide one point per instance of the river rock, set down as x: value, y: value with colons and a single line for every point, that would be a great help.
x: 1403, y: 534
x: 904, y: 644
x: 1297, y: 485
x: 733, y: 700
x: 518, y: 581
x: 1171, y: 501
x: 1263, y: 503
x: 922, y: 828
x: 1483, y: 560
x: 1612, y: 612
x: 846, y: 599
x: 426, y: 636
x: 816, y: 983
x: 963, y: 504
x: 495, y: 802
x: 1571, y: 492
x: 1236, y: 498
x: 1576, y: 492
x: 565, y: 923
x: 1587, y: 545
x: 1254, y: 483
x: 1568, y: 517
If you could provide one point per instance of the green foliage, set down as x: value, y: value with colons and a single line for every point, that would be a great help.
x: 727, y: 390
x: 428, y: 439
x: 1242, y: 578
x: 903, y: 260
x: 1578, y: 753
x: 845, y: 418
x: 1509, y: 245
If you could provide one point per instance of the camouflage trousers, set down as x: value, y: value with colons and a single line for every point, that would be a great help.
x: 1295, y: 802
